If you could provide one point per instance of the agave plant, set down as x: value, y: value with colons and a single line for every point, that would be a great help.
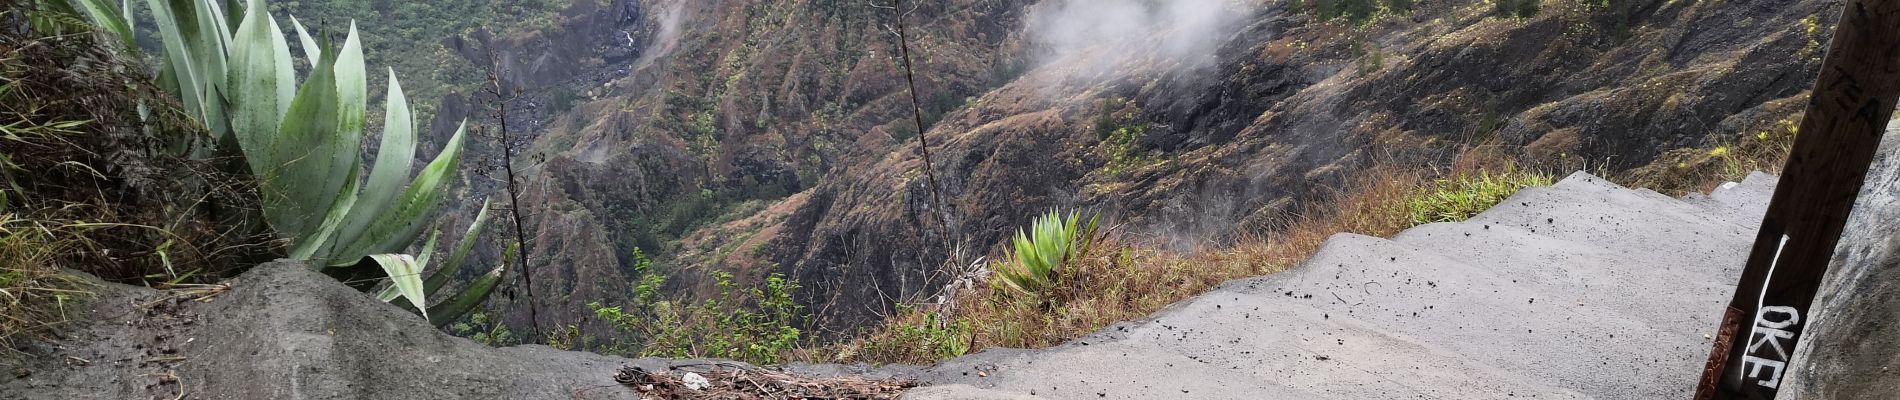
x: 234, y: 73
x: 1047, y: 251
x: 448, y: 311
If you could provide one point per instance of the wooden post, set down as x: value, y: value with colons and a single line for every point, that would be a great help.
x: 1847, y: 113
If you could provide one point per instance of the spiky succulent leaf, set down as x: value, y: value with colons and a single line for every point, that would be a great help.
x: 406, y: 276
x: 453, y: 266
x: 405, y: 218
x: 286, y: 71
x: 257, y: 65
x: 318, y: 245
x: 209, y: 47
x: 352, y: 89
x: 178, y: 72
x: 111, y: 18
x: 393, y: 156
x: 390, y: 292
x: 308, y: 161
x: 311, y: 52
x: 448, y: 311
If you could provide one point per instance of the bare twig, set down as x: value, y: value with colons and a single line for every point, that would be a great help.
x: 917, y: 115
x: 508, y: 147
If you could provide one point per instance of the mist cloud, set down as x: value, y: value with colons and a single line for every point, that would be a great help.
x: 667, y: 37
x: 1101, y: 38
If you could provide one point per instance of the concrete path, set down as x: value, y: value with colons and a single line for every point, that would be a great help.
x: 1584, y: 289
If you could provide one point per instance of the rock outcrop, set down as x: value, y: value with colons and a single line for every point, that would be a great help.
x: 284, y: 331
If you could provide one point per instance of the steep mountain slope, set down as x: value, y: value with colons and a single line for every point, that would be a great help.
x: 771, y: 137
x: 1287, y: 110
x: 687, y: 113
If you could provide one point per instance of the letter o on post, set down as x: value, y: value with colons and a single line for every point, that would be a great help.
x: 1793, y: 317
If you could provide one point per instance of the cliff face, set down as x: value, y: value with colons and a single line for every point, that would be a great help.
x: 1291, y: 107
x: 761, y: 137
x: 648, y: 121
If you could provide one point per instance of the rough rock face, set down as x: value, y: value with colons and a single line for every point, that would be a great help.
x: 1848, y: 353
x: 286, y: 332
x: 283, y: 331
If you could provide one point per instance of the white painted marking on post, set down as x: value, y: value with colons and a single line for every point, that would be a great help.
x: 1754, y: 327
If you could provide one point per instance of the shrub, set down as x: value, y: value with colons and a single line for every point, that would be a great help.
x: 756, y: 324
x: 1516, y: 8
x: 1045, y: 252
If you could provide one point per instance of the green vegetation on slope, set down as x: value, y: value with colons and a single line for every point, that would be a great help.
x: 1463, y: 195
x: 407, y: 35
x: 756, y: 324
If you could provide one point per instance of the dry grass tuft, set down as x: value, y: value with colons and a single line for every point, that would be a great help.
x: 34, y: 294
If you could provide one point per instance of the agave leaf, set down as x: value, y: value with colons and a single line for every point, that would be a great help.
x: 406, y: 276
x: 352, y: 88
x: 208, y: 45
x: 311, y: 52
x: 125, y: 11
x: 404, y: 219
x: 1087, y: 237
x: 393, y: 157
x: 453, y: 266
x: 308, y: 160
x: 254, y: 69
x: 390, y: 292
x: 179, y: 73
x: 319, y: 245
x: 231, y: 12
x: 286, y: 72
x: 443, y: 314
x: 110, y: 18
x: 215, y: 26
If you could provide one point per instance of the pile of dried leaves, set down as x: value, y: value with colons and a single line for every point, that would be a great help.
x: 733, y: 381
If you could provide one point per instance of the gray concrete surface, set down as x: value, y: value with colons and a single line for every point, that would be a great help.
x: 1584, y: 289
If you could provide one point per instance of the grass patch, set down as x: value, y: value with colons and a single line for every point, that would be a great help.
x: 1463, y: 195
x: 1122, y: 281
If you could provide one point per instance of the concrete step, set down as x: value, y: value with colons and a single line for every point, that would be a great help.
x: 1742, y: 203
